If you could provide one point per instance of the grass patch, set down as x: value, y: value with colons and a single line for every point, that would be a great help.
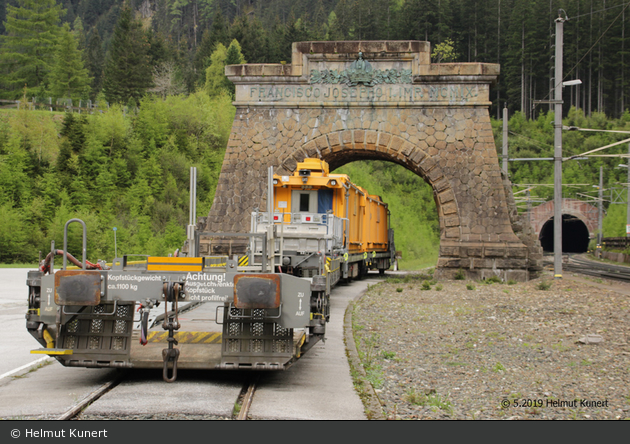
x: 543, y: 285
x: 21, y: 265
x: 431, y: 399
x: 492, y: 280
x: 368, y: 356
x: 388, y: 355
x: 498, y: 367
x: 33, y: 369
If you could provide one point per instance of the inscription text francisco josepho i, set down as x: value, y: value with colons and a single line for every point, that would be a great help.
x: 384, y: 93
x: 362, y: 83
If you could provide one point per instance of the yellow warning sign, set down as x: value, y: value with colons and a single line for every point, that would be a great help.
x: 174, y: 264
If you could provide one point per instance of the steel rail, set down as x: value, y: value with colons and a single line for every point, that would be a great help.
x: 248, y: 397
x: 75, y: 410
x: 598, y: 269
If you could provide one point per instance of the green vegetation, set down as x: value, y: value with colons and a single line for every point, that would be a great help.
x: 431, y: 399
x: 370, y: 359
x: 185, y: 33
x: 28, y: 46
x: 543, y: 285
x: 413, y: 212
x: 126, y: 166
x: 111, y: 169
x: 127, y: 68
x: 498, y: 367
x: 493, y: 280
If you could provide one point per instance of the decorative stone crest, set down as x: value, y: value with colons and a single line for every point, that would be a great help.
x: 361, y: 72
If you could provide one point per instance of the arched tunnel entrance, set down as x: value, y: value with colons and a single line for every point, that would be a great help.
x: 413, y: 211
x: 575, y: 236
x: 380, y: 100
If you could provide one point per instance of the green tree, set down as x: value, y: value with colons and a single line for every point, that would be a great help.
x: 27, y: 48
x: 127, y: 70
x: 68, y: 77
x: 253, y: 38
x: 215, y: 74
x: 14, y: 234
x: 219, y: 30
x: 94, y: 61
x: 72, y: 145
x: 444, y: 52
x: 233, y: 56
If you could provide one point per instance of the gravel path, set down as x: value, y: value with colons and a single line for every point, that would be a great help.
x: 497, y: 351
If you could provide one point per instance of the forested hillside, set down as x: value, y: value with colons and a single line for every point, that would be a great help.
x: 154, y: 69
x: 518, y: 34
x: 111, y: 169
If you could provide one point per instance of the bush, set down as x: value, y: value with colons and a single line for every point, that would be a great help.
x: 493, y: 279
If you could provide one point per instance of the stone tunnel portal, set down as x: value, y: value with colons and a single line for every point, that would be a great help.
x: 575, y: 235
x: 385, y: 100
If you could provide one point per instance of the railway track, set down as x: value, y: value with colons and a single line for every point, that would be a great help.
x: 242, y: 403
x: 76, y: 409
x: 580, y: 264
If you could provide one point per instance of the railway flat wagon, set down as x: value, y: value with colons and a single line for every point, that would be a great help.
x: 260, y: 310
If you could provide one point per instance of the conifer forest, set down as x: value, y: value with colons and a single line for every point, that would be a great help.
x: 151, y: 73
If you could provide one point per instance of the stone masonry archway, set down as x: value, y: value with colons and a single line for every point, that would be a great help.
x: 584, y: 211
x: 347, y: 101
x: 579, y: 221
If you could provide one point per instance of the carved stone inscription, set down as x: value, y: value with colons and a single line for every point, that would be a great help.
x: 381, y: 94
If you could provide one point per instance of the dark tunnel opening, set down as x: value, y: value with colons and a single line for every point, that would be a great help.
x: 575, y: 236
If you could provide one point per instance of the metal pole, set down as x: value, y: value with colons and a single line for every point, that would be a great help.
x: 557, y: 182
x: 271, y: 250
x: 193, y: 213
x: 628, y: 208
x: 600, y: 206
x: 505, y: 140
x: 529, y: 207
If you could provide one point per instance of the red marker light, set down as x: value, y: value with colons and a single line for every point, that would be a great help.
x: 276, y: 218
x: 308, y: 218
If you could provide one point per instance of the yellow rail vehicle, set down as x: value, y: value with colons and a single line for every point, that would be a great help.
x: 323, y: 217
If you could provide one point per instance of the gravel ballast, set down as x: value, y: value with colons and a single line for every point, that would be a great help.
x: 475, y: 350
